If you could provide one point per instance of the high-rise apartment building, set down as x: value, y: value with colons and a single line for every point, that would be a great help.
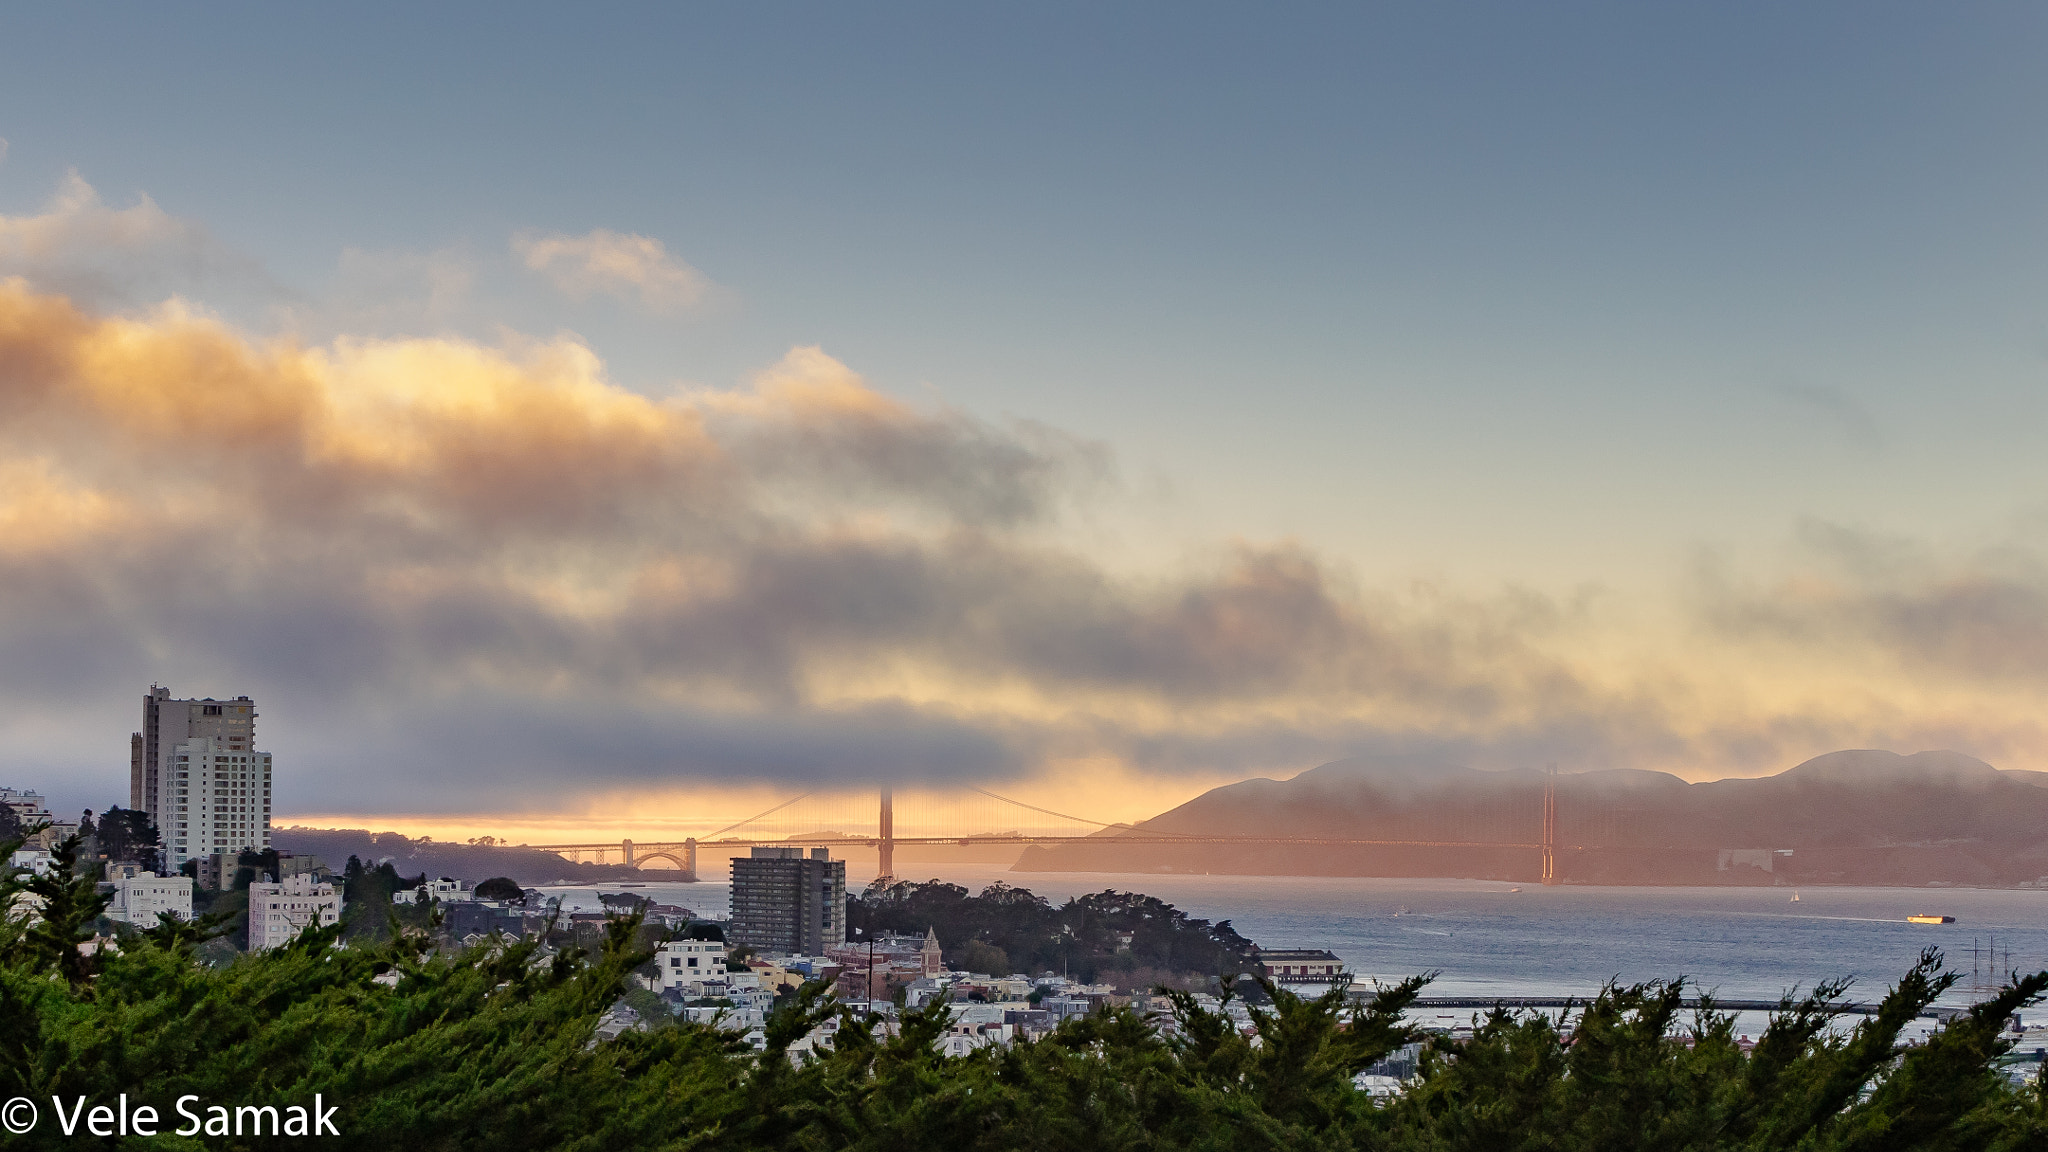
x: 167, y: 723
x: 195, y: 769
x: 215, y: 797
x: 785, y: 903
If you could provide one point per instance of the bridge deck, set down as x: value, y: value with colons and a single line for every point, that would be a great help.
x: 640, y: 846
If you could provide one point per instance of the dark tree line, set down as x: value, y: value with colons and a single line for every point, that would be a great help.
x: 1103, y: 935
x: 423, y: 1049
x: 128, y: 836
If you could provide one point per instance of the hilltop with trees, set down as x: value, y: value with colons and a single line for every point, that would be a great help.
x: 1123, y: 937
x: 477, y: 858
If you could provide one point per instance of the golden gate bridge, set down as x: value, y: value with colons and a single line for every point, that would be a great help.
x: 791, y: 824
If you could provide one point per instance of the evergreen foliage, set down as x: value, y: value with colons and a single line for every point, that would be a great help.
x: 1103, y: 935
x: 127, y: 836
x: 500, y: 888
x: 425, y: 1049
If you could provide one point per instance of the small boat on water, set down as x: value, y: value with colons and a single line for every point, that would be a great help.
x: 1795, y: 898
x: 1929, y: 918
x: 1514, y: 889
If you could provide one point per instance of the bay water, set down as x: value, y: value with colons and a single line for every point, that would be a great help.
x: 1488, y: 939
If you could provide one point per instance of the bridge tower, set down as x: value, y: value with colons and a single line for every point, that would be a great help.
x: 1550, y: 826
x: 626, y: 846
x: 885, y: 843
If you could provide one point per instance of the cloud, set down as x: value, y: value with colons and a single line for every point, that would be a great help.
x: 624, y: 265
x: 452, y: 570
x: 1977, y: 613
x: 80, y: 246
x: 801, y: 572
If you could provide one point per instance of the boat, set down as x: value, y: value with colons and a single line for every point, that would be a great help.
x: 1514, y: 889
x: 1795, y: 898
x: 1929, y: 918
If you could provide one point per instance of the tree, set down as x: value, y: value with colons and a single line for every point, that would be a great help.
x: 261, y: 866
x: 501, y: 888
x: 127, y: 836
x: 982, y: 956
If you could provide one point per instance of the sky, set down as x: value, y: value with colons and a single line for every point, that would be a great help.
x: 572, y: 416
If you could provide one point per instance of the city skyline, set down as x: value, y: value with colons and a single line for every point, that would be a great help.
x: 576, y: 425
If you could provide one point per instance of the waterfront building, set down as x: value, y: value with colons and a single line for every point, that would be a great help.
x: 1302, y: 966
x: 785, y: 902
x: 279, y: 912
x: 447, y: 890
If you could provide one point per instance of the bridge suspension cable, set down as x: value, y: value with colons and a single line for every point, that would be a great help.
x: 757, y: 816
x: 1061, y: 815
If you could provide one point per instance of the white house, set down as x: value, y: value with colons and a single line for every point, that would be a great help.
x: 447, y: 890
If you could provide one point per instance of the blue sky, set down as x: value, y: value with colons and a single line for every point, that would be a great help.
x: 1498, y: 298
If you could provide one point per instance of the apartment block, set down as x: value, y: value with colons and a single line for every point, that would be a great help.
x: 279, y: 912
x: 166, y: 723
x: 785, y: 903
x: 214, y: 798
x: 682, y: 963
x: 142, y: 898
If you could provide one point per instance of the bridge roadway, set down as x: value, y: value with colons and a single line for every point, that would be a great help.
x: 683, y: 853
x: 1021, y: 838
x: 1485, y: 1003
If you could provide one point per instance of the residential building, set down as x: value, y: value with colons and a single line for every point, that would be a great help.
x: 447, y: 890
x: 681, y: 963
x: 279, y: 912
x: 289, y: 865
x: 142, y: 898
x: 785, y: 902
x: 216, y: 870
x: 214, y: 799
x: 28, y: 806
x: 31, y: 809
x: 166, y: 723
x: 482, y: 918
